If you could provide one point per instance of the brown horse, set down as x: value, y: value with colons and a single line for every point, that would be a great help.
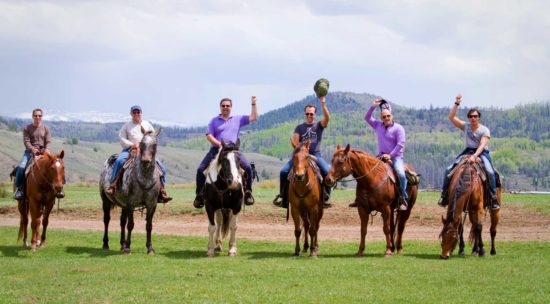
x: 375, y: 191
x: 44, y: 183
x: 466, y: 195
x: 304, y: 195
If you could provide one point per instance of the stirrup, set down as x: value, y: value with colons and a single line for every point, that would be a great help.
x: 278, y: 201
x: 248, y: 195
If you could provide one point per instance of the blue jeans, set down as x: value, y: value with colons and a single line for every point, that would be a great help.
x: 399, y: 167
x: 321, y: 162
x: 487, y: 164
x: 123, y: 156
x: 200, y: 178
x: 20, y: 171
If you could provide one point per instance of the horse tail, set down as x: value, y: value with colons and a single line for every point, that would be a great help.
x: 225, y: 221
x: 24, y: 210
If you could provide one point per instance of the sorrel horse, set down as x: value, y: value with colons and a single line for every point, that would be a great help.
x: 223, y: 196
x: 140, y: 189
x: 44, y: 183
x: 466, y: 195
x: 375, y: 191
x: 304, y: 195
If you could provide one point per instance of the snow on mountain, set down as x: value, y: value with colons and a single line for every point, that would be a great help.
x: 100, y: 117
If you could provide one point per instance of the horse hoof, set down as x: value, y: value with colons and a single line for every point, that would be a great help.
x: 388, y: 254
x: 475, y: 254
x: 359, y: 254
x: 151, y: 253
x: 106, y: 247
x: 493, y: 252
x: 461, y: 253
x: 400, y: 252
x: 297, y: 253
x: 210, y: 253
x: 232, y: 254
x: 127, y: 251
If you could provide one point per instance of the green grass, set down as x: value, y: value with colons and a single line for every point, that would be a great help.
x: 73, y: 268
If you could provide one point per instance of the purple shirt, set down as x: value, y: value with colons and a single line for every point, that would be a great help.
x: 227, y: 130
x: 391, y: 140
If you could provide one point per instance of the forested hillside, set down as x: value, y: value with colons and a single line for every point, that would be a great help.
x: 520, y: 144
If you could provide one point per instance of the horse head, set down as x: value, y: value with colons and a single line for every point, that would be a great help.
x: 300, y: 163
x: 55, y: 170
x: 340, y: 166
x: 448, y: 236
x: 148, y: 146
x: 229, y: 164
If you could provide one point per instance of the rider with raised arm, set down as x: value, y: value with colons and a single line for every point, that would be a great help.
x: 313, y: 131
x: 391, y: 143
x: 476, y: 137
x: 226, y: 128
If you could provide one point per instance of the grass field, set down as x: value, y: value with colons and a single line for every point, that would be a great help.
x: 74, y: 269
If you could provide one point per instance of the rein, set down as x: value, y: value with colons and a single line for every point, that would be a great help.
x: 50, y: 184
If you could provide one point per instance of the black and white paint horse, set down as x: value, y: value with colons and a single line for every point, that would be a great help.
x: 140, y: 188
x: 223, y: 195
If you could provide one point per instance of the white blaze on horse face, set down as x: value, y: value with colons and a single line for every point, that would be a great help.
x: 234, y: 168
x: 57, y: 164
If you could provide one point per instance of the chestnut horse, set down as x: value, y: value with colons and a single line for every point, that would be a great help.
x: 304, y: 195
x: 466, y: 195
x: 44, y: 183
x: 375, y: 191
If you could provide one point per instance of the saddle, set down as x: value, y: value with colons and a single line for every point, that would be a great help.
x: 130, y: 161
x: 480, y: 169
x: 413, y: 178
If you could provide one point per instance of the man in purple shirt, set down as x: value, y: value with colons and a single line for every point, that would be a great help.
x: 226, y: 128
x: 391, y: 141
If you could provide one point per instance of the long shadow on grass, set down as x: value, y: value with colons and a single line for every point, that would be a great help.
x: 13, y: 251
x: 95, y: 252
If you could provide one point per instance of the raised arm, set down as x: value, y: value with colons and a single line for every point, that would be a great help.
x: 254, y: 112
x: 368, y: 115
x: 326, y: 113
x: 452, y: 115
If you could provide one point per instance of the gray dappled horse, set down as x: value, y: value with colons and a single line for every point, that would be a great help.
x: 140, y: 188
x: 223, y: 196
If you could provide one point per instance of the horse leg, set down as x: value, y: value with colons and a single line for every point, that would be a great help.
x: 233, y: 230
x: 106, y: 220
x: 45, y: 222
x: 493, y: 229
x: 218, y: 238
x: 461, y: 240
x: 123, y: 221
x: 364, y: 216
x: 314, y: 218
x: 35, y: 222
x: 149, y: 228
x: 23, y: 222
x: 387, y: 231
x: 402, y: 217
x: 127, y: 249
x: 297, y: 228
x: 211, y: 232
x: 308, y: 242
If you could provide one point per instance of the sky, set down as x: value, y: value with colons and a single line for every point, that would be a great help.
x: 177, y: 59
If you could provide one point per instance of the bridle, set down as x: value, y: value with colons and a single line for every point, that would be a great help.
x: 44, y: 177
x: 221, y: 175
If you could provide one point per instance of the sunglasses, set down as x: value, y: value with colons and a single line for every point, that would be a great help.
x: 473, y: 116
x: 136, y: 112
x: 310, y: 114
x: 226, y: 106
x: 386, y: 116
x: 37, y: 116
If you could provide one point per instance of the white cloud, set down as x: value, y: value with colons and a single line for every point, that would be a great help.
x: 105, y: 55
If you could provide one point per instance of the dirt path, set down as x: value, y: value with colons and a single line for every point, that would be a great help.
x: 339, y: 224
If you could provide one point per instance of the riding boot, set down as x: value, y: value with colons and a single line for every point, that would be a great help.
x: 494, y: 202
x: 248, y: 198
x: 112, y: 187
x: 18, y: 195
x: 163, y: 197
x: 443, y: 199
x: 326, y: 197
x: 198, y: 202
x: 402, y: 204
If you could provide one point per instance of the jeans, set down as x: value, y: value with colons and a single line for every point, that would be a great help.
x: 487, y: 164
x: 123, y: 156
x: 20, y: 172
x: 399, y: 167
x: 321, y: 162
x: 200, y: 178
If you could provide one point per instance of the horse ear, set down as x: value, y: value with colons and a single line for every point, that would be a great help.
x: 307, y: 144
x: 142, y: 130
x: 157, y: 132
x: 223, y: 145
x: 443, y: 220
x: 347, y: 149
x: 338, y: 147
x: 61, y: 154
